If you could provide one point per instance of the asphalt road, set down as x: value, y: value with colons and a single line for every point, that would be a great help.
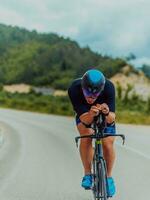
x: 39, y: 159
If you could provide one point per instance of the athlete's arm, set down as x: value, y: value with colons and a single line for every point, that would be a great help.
x: 88, y: 117
x: 110, y: 116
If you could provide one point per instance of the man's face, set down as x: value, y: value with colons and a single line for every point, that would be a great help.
x: 90, y: 100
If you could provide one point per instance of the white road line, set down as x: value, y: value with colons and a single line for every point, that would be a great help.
x: 134, y: 151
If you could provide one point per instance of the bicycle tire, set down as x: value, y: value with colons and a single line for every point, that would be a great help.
x: 94, y: 189
x: 102, y: 179
x: 99, y: 180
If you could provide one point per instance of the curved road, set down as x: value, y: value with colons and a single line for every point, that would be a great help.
x: 39, y: 159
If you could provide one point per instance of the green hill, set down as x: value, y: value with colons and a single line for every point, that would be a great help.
x: 47, y: 59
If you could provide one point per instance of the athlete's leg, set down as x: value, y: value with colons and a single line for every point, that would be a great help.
x: 109, y: 154
x: 86, y: 150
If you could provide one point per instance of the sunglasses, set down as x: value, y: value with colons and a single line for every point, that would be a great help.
x: 90, y: 95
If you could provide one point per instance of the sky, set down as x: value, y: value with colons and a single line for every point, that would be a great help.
x: 110, y: 27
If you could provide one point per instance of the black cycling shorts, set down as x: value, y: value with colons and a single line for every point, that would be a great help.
x: 110, y: 128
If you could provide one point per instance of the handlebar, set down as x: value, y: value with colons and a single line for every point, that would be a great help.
x: 93, y: 136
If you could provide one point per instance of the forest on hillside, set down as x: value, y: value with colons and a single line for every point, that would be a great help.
x: 47, y: 59
x: 42, y: 59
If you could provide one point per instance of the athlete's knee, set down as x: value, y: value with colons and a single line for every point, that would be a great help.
x: 108, y: 143
x: 85, y: 131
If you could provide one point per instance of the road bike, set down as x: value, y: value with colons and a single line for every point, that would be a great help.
x: 99, y: 169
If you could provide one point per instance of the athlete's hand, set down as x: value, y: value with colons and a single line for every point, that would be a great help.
x: 94, y: 111
x: 104, y: 108
x: 99, y: 107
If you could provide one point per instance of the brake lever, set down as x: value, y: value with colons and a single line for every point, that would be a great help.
x: 76, y: 140
x: 123, y: 139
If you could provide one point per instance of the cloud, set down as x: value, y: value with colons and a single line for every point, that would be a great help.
x: 113, y: 27
x: 141, y: 61
x: 118, y: 29
x: 10, y: 16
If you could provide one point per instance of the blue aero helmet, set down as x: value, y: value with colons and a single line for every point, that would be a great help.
x: 92, y: 83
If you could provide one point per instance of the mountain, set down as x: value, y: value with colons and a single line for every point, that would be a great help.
x: 46, y: 59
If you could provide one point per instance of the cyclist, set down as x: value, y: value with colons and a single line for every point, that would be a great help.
x: 89, y: 95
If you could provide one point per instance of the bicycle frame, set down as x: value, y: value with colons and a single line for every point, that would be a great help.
x: 99, y: 165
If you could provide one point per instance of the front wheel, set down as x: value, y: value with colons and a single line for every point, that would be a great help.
x: 100, y: 181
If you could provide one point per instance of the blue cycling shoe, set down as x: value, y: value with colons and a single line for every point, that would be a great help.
x: 110, y: 187
x: 87, y: 182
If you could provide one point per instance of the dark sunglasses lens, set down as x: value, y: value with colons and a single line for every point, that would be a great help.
x: 89, y: 94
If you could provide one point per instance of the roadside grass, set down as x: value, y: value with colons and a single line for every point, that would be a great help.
x: 61, y: 105
x: 132, y: 117
x: 37, y: 103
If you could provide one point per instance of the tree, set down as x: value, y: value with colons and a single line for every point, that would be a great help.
x: 119, y: 91
x: 130, y: 57
x: 127, y: 91
x: 148, y: 105
x: 146, y: 69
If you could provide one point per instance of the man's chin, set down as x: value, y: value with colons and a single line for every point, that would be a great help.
x: 90, y: 101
